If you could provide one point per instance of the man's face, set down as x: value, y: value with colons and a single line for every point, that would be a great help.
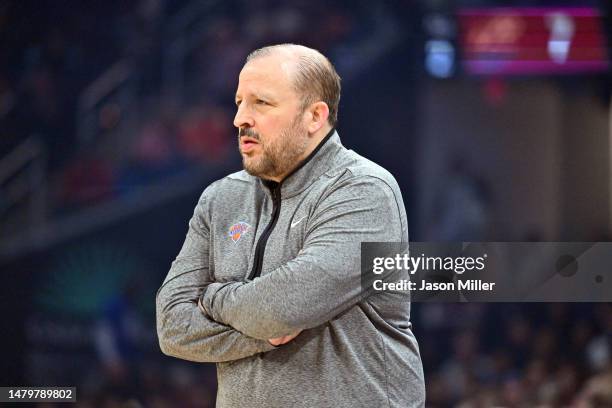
x: 272, y: 135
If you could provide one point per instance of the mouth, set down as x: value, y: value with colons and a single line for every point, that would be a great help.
x: 247, y: 144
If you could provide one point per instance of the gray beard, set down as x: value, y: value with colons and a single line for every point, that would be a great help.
x: 280, y: 158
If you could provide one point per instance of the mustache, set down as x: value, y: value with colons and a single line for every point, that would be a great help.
x: 248, y: 132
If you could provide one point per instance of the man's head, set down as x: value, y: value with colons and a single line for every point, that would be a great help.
x: 287, y: 101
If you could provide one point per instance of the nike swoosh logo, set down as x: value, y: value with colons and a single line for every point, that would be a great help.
x: 293, y: 224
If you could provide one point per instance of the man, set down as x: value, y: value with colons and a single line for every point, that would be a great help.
x: 267, y: 284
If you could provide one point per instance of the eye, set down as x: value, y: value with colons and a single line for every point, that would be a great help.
x: 238, y: 103
x: 261, y: 102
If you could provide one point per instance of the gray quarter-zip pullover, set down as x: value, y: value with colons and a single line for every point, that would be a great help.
x: 262, y: 260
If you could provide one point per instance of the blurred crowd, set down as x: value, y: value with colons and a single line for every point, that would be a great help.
x: 516, y: 355
x: 51, y: 54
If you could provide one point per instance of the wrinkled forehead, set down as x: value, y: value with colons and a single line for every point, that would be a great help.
x: 271, y: 74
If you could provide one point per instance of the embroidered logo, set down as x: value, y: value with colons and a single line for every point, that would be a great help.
x: 237, y: 230
x: 294, y: 223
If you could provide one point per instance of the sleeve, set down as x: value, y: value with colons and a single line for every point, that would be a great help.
x: 184, y: 331
x: 325, y: 277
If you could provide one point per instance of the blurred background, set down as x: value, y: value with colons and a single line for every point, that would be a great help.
x: 494, y: 116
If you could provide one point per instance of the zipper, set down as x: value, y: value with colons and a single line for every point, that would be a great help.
x: 275, y: 189
x: 263, y: 239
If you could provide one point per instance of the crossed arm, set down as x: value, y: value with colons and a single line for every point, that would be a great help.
x: 183, y: 330
x: 307, y: 291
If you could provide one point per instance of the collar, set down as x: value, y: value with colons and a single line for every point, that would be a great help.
x: 310, y: 169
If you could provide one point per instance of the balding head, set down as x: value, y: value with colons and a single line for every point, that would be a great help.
x: 312, y: 74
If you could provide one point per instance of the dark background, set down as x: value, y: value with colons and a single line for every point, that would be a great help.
x: 115, y: 115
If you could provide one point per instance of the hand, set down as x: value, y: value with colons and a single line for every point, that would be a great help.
x: 284, y: 339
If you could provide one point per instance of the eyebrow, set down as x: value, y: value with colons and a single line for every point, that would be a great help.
x: 261, y: 95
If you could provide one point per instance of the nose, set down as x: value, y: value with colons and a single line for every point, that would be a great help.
x: 243, y: 118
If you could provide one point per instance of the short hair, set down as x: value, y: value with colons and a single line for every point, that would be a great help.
x: 315, y: 76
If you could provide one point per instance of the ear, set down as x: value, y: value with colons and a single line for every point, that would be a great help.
x: 316, y: 117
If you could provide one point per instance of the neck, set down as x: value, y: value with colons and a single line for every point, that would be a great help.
x: 315, y: 140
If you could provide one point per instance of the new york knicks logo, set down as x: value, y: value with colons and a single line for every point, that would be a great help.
x: 237, y: 230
